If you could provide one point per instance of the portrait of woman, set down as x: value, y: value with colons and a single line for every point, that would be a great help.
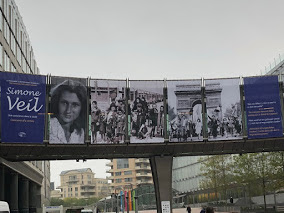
x: 68, y: 113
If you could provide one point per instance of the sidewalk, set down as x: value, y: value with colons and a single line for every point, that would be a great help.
x: 181, y: 210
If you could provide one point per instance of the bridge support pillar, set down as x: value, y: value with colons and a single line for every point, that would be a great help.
x: 14, y: 207
x: 2, y: 182
x: 162, y: 175
x: 24, y: 195
x: 32, y: 197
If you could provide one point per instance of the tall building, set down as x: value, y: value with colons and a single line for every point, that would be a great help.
x: 24, y: 185
x: 129, y: 173
x: 81, y: 183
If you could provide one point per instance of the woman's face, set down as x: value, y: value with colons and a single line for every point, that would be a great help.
x: 69, y: 107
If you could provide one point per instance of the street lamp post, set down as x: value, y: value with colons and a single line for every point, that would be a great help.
x: 117, y: 207
x: 105, y: 206
x: 122, y: 201
x: 136, y: 204
x: 127, y: 202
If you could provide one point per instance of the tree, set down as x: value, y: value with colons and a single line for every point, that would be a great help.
x: 56, y: 201
x: 216, y: 171
x: 244, y: 173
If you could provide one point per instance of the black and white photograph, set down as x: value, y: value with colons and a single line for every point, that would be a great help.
x: 147, y: 112
x: 108, y: 108
x: 68, y: 112
x: 223, y: 107
x: 185, y: 111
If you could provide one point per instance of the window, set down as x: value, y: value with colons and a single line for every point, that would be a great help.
x: 24, y: 65
x: 1, y: 55
x: 118, y: 180
x: 74, y: 177
x: 117, y: 173
x: 6, y: 62
x: 89, y: 176
x: 13, y: 45
x: 128, y: 179
x: 122, y: 163
x: 128, y: 173
x: 1, y: 22
x: 13, y: 68
x: 19, y: 54
x: 76, y: 189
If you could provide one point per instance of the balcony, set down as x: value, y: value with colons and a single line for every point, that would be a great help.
x: 143, y: 168
x: 109, y: 164
x: 144, y: 181
x: 110, y: 177
x: 86, y: 190
x: 110, y: 171
x: 72, y: 181
x: 143, y: 175
x: 142, y: 160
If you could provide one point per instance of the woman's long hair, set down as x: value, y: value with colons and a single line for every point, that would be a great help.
x: 72, y: 87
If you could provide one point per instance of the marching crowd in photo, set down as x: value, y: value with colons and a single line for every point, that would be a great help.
x: 147, y: 119
x: 108, y: 126
x: 182, y: 128
x: 228, y: 127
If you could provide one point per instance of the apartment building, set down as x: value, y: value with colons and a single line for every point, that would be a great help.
x: 129, y: 173
x: 24, y: 185
x: 81, y: 183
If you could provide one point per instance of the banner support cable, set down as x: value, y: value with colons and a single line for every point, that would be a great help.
x: 47, y: 109
x: 204, y: 113
x: 88, y: 109
x: 281, y: 102
x: 165, y: 101
x: 243, y: 111
x: 127, y: 115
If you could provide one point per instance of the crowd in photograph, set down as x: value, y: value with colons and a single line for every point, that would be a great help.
x: 227, y: 127
x: 147, y: 118
x: 108, y: 126
x: 183, y: 128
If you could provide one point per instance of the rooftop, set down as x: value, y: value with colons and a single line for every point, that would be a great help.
x: 76, y: 170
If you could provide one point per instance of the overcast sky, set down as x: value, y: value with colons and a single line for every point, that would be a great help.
x: 151, y: 39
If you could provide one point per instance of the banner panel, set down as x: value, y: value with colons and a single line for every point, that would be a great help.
x: 68, y: 111
x: 185, y: 110
x: 147, y: 112
x: 22, y: 107
x: 108, y: 108
x: 263, y: 108
x: 223, y: 107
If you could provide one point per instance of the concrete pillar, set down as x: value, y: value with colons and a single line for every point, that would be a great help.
x: 2, y: 182
x: 14, y: 206
x: 32, y: 197
x: 162, y: 176
x: 24, y: 196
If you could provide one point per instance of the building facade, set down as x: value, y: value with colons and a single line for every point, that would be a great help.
x: 129, y: 173
x: 24, y: 185
x: 81, y: 183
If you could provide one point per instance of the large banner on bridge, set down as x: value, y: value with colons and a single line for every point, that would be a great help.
x: 224, y: 120
x: 22, y: 107
x: 147, y: 112
x: 185, y: 110
x: 68, y: 113
x: 108, y: 111
x: 263, y: 108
